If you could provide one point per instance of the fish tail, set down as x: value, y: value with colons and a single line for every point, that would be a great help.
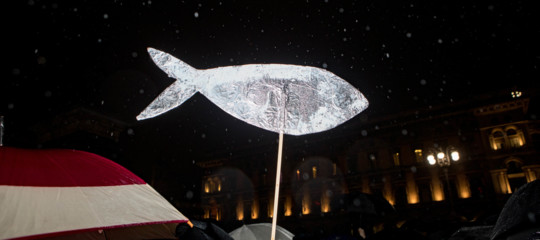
x: 177, y: 93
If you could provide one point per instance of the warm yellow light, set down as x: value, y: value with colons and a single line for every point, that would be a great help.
x: 325, y: 202
x: 305, y: 209
x: 288, y: 206
x: 412, y: 190
x: 206, y: 213
x: 396, y: 159
x: 255, y: 210
x: 306, y: 200
x: 240, y: 209
x: 206, y: 187
x: 465, y: 193
x: 438, y: 195
x: 412, y: 198
x: 418, y: 154
x: 437, y: 191
x: 314, y: 170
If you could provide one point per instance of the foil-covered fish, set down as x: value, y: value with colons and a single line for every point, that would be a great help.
x: 284, y: 98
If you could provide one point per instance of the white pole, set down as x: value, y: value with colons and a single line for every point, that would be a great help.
x: 276, y: 192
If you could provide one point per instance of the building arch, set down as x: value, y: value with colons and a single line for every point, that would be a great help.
x: 515, y: 173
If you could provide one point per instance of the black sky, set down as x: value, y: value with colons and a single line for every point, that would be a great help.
x: 63, y: 55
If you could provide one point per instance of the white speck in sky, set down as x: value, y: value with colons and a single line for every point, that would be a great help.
x: 196, y: 14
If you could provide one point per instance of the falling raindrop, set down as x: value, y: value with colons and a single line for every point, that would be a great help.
x: 16, y: 71
x: 329, y: 193
x: 189, y: 195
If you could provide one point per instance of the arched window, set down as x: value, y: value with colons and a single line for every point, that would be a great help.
x: 496, y: 139
x: 515, y: 137
x: 516, y: 176
x: 511, y: 137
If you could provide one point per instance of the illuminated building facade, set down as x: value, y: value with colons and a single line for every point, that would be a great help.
x: 496, y: 142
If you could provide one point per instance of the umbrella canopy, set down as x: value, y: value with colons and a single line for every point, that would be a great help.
x: 260, y: 231
x: 54, y: 193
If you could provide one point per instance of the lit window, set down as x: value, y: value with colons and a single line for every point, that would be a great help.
x: 515, y: 138
x: 334, y: 169
x: 497, y: 139
x: 395, y: 156
x: 510, y: 138
x: 314, y: 170
x: 418, y: 155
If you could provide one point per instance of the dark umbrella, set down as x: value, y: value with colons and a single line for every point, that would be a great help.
x: 201, y: 230
x: 520, y: 214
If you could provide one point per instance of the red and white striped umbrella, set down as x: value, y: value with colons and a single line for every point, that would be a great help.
x: 68, y: 193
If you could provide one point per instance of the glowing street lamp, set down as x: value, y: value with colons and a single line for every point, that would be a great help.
x: 443, y: 158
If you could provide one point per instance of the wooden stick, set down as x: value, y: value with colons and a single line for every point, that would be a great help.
x: 276, y: 192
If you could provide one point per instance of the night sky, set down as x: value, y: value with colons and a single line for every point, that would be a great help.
x: 63, y: 55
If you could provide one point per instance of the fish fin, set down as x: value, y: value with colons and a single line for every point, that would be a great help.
x: 174, y: 67
x: 172, y: 97
x: 181, y: 90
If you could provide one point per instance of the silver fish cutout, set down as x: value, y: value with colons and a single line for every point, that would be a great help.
x: 292, y: 99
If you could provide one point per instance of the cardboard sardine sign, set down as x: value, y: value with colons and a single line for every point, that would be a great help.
x: 282, y: 98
